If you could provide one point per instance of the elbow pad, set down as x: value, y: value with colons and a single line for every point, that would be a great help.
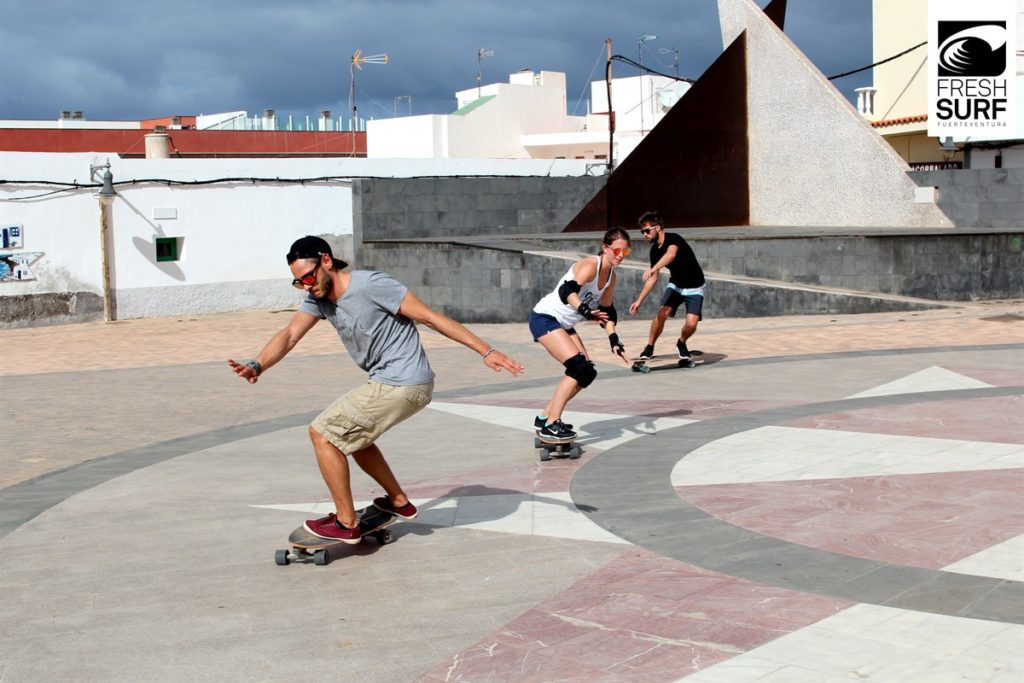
x: 613, y: 315
x: 568, y: 287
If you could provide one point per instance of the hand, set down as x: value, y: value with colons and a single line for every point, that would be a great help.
x: 496, y: 360
x: 244, y: 371
x: 648, y: 274
x: 634, y: 307
x: 617, y: 348
x: 591, y: 314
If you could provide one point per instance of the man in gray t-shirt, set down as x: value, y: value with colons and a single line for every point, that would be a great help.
x: 375, y: 317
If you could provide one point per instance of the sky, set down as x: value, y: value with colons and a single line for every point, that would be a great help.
x: 135, y: 59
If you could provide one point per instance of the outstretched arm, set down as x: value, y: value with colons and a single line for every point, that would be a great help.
x: 608, y: 308
x: 413, y: 308
x: 642, y: 296
x: 275, y: 349
x: 668, y: 257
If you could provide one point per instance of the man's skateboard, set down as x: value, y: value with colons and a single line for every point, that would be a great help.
x: 373, y: 521
x: 645, y: 365
x: 546, y: 448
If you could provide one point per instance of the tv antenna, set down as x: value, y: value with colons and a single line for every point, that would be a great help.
x: 358, y: 59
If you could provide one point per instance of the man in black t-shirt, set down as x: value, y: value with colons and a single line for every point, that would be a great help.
x: 686, y: 283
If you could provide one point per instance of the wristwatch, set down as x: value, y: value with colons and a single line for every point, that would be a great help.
x: 255, y: 365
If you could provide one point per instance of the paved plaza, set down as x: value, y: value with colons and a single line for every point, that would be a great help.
x: 827, y: 499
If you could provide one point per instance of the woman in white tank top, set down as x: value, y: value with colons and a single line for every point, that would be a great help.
x: 584, y: 292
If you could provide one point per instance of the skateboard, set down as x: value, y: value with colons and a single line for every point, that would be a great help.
x: 563, y: 448
x: 666, y: 360
x: 373, y: 521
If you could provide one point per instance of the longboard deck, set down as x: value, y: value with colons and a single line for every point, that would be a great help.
x: 665, y: 361
x: 371, y: 519
x: 695, y: 356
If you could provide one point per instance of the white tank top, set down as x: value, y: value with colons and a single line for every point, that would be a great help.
x: 566, y: 315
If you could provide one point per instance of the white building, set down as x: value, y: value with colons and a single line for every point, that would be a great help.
x: 526, y: 118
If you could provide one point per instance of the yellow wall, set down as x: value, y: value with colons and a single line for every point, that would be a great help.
x: 901, y: 83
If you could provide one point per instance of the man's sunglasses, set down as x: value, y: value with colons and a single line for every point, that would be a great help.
x: 646, y: 231
x: 625, y: 251
x: 307, y: 279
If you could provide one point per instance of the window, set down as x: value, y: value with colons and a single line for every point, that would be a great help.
x: 166, y: 249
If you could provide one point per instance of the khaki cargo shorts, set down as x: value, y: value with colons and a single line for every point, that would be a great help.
x: 358, y: 418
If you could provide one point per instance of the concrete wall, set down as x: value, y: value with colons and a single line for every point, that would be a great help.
x: 978, y: 198
x: 479, y: 284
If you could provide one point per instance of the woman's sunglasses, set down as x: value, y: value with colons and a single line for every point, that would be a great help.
x: 307, y: 279
x: 625, y: 251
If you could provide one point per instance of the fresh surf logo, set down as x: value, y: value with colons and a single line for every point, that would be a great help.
x: 972, y: 74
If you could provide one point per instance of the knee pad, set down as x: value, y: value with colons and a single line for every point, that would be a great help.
x: 581, y: 370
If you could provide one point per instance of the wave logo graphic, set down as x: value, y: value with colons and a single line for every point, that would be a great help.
x: 972, y: 48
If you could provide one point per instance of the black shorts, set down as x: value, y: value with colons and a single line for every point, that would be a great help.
x: 694, y: 303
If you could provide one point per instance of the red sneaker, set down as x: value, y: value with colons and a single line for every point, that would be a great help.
x: 407, y: 511
x: 330, y: 528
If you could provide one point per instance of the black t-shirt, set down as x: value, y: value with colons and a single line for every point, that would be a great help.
x: 684, y: 271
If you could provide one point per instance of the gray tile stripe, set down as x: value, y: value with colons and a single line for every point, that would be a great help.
x: 535, y: 382
x: 628, y: 491
x: 21, y: 502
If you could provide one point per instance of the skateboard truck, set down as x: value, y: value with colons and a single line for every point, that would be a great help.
x: 559, y: 449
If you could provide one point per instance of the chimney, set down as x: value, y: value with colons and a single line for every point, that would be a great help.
x: 325, y: 119
x: 269, y: 122
x: 158, y: 144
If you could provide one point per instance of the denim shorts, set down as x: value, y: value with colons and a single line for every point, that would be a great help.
x: 358, y: 418
x: 542, y: 323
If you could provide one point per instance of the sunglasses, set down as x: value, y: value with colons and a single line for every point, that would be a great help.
x: 307, y: 279
x: 646, y: 231
x: 625, y: 251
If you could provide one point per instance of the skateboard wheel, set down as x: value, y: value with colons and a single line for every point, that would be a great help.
x: 544, y: 454
x: 575, y: 452
x: 384, y: 537
x: 281, y: 557
x: 537, y: 443
x: 320, y: 558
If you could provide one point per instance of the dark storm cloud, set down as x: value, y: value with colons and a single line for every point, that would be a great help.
x: 115, y: 59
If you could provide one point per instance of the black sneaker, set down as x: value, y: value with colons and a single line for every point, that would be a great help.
x: 684, y: 352
x: 539, y: 422
x: 647, y: 353
x: 557, y: 430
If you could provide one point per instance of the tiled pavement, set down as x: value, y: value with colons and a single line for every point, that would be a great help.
x: 827, y: 499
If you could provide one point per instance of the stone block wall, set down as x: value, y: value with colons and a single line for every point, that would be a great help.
x: 978, y: 197
x: 398, y: 208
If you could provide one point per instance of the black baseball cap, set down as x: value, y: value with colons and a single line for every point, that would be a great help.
x: 311, y: 246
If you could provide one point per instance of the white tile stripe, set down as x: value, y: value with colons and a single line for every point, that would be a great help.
x: 796, y: 454
x: 933, y: 378
x: 543, y: 514
x: 597, y: 430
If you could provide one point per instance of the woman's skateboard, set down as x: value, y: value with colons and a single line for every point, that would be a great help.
x: 558, y: 448
x: 666, y: 360
x: 372, y: 520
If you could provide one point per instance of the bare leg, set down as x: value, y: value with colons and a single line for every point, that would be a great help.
x: 372, y: 461
x: 658, y: 324
x: 689, y: 327
x: 562, y: 346
x: 334, y: 469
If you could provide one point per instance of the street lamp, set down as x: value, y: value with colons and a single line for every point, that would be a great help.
x: 106, y: 196
x: 399, y: 98
x: 640, y: 40
x: 480, y: 54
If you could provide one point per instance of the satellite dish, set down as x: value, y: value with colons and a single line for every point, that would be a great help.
x: 671, y: 94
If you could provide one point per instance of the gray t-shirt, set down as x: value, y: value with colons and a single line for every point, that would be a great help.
x: 380, y: 340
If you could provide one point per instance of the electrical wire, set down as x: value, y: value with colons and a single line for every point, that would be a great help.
x: 869, y: 66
